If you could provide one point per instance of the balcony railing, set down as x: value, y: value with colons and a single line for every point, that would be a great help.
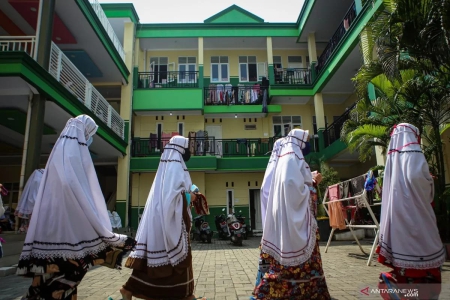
x: 105, y: 22
x: 68, y: 75
x: 235, y: 95
x: 333, y: 132
x: 18, y: 43
x: 294, y: 76
x: 242, y: 147
x: 168, y: 79
x: 345, y: 25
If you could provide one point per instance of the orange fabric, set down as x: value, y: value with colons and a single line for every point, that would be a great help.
x: 335, y: 209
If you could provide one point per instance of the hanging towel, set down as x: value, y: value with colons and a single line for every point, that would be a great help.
x: 165, y: 139
x: 153, y: 140
x: 201, y: 205
x: 335, y: 208
x: 191, y: 136
x: 357, y: 185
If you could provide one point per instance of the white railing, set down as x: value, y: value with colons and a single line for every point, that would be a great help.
x: 18, y: 43
x: 68, y: 75
x: 104, y: 20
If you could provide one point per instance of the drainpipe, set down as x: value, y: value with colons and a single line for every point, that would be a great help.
x: 24, y: 155
x: 38, y: 30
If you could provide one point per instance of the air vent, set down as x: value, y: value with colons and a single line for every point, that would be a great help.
x: 250, y: 127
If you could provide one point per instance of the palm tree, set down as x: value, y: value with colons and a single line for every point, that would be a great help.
x: 407, y: 53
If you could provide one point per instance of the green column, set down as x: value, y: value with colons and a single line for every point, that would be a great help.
x: 313, y: 71
x: 271, y: 75
x: 37, y: 112
x: 200, y: 76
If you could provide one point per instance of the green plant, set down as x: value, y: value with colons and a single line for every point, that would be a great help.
x: 329, y: 177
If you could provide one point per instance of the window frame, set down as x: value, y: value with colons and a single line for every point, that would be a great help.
x: 219, y: 70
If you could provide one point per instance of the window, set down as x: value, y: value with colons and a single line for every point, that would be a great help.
x: 277, y: 62
x: 248, y: 69
x: 186, y: 68
x: 180, y: 128
x: 219, y: 69
x: 160, y: 66
x: 295, y: 62
x: 282, y: 125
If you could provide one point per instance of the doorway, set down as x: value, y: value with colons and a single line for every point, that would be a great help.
x: 215, y: 138
x: 255, y: 209
x: 230, y: 202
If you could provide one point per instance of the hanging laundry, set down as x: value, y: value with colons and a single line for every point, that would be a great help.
x: 335, y: 209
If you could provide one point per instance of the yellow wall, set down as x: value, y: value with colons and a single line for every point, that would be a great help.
x: 144, y: 125
x: 304, y: 110
x: 216, y: 190
x: 285, y: 53
x: 142, y: 183
x: 233, y: 59
x: 172, y: 55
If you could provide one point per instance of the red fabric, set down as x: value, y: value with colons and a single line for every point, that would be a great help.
x: 201, y: 205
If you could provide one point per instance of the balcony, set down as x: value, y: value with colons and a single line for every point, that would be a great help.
x: 252, y: 147
x: 333, y: 132
x: 65, y: 72
x: 168, y: 79
x: 108, y: 28
x: 292, y: 76
x: 236, y: 95
x: 337, y: 37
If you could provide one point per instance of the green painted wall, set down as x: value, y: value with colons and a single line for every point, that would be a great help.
x: 239, y: 109
x: 121, y: 208
x: 167, y: 99
x: 120, y: 10
x: 196, y: 163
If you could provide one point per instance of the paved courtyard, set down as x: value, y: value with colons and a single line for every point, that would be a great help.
x: 226, y: 272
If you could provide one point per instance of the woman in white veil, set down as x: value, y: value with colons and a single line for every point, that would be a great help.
x: 70, y: 230
x: 290, y: 239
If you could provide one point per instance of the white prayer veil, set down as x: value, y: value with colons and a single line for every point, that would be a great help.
x: 162, y: 236
x: 70, y: 218
x: 290, y: 228
x: 409, y: 236
x: 268, y: 175
x: 29, y: 194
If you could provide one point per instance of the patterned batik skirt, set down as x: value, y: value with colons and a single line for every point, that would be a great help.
x: 278, y: 282
x: 427, y: 282
x: 58, y: 278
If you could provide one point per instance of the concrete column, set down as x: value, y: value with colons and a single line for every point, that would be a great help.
x: 270, y: 61
x: 320, y: 111
x: 200, y: 62
x: 131, y: 48
x: 37, y: 113
x: 312, y: 52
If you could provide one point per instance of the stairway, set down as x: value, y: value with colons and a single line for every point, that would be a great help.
x: 12, y: 247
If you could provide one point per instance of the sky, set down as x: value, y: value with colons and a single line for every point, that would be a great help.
x: 196, y: 11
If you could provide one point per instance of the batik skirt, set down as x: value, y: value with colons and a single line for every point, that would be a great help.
x: 58, y: 278
x: 305, y: 281
x: 427, y: 282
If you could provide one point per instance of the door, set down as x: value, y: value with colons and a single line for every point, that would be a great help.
x: 215, y: 138
x: 230, y: 202
x: 257, y: 201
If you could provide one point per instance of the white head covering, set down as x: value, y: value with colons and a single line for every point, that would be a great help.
x: 162, y: 236
x: 268, y: 175
x: 28, y: 197
x: 290, y: 228
x: 70, y: 218
x: 409, y: 237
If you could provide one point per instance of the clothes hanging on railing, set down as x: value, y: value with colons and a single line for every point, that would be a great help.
x: 212, y: 94
x: 220, y: 91
x: 229, y: 95
x: 165, y: 139
x: 192, y: 143
x: 264, y: 102
x: 153, y: 140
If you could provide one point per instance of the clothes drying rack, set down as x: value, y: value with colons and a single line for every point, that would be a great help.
x: 362, y: 200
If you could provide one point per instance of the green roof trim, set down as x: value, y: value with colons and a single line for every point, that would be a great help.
x: 120, y: 10
x: 234, y: 14
x: 304, y: 16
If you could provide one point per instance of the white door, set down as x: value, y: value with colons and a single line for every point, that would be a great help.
x: 215, y: 138
x: 257, y: 203
x: 230, y: 202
